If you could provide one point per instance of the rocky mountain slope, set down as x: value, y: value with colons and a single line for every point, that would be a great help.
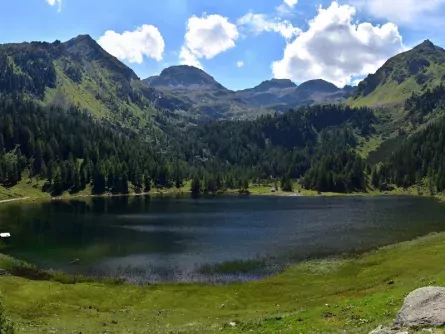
x: 413, y: 71
x: 198, y: 94
x: 191, y: 89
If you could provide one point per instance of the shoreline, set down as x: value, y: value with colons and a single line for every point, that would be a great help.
x: 302, y: 193
x: 308, y: 295
x: 14, y: 200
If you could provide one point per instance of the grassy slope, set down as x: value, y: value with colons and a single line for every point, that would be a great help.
x: 391, y: 90
x: 351, y: 295
x: 23, y: 189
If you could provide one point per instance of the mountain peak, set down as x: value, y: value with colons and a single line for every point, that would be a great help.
x: 184, y: 76
x: 426, y: 44
x: 422, y: 66
x: 81, y: 39
x: 274, y: 83
x: 86, y: 48
x: 319, y: 85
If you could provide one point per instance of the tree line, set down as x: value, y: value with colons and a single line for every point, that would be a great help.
x: 71, y: 151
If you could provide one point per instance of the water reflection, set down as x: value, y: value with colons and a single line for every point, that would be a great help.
x: 172, y: 238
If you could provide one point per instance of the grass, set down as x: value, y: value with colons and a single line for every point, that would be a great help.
x: 352, y: 295
x: 25, y: 188
x: 32, y: 191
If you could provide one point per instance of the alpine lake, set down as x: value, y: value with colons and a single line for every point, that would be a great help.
x: 209, y: 239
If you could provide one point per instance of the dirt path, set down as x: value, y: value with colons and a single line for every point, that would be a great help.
x: 14, y: 200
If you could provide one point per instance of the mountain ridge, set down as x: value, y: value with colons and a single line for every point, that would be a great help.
x: 195, y: 87
x: 412, y: 71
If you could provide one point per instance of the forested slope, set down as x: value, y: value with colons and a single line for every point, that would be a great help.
x: 71, y: 150
x: 420, y: 159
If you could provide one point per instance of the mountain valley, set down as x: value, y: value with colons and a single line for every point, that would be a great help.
x: 195, y: 128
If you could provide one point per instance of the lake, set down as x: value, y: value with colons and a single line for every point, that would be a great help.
x: 217, y: 239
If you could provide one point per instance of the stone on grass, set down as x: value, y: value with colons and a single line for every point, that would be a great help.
x: 387, y: 330
x: 382, y: 330
x: 424, y: 307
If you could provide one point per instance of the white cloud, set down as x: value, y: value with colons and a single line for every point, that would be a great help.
x: 336, y: 49
x: 258, y: 23
x: 206, y: 37
x: 399, y: 11
x: 134, y: 45
x: 355, y: 82
x: 55, y: 2
x: 188, y: 58
x: 239, y: 63
x: 290, y: 3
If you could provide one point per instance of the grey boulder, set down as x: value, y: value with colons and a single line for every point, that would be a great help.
x: 424, y: 307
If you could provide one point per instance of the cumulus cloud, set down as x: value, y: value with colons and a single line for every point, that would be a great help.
x: 239, y: 63
x: 336, y: 49
x: 55, y: 2
x: 188, y: 58
x: 206, y: 37
x: 290, y: 3
x: 134, y: 45
x: 258, y: 23
x: 399, y: 11
x: 355, y: 82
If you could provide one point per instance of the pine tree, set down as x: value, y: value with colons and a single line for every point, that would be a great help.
x: 57, y: 184
x: 195, y: 186
x: 124, y: 183
x: 147, y: 181
x: 375, y: 178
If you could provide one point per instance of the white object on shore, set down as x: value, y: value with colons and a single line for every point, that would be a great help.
x: 5, y: 235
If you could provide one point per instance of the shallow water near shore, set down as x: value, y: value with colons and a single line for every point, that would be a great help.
x: 214, y: 239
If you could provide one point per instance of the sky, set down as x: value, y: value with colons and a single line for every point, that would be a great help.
x: 239, y: 42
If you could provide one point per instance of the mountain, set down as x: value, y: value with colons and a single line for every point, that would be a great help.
x: 191, y: 89
x: 77, y: 73
x: 283, y: 93
x: 413, y: 71
x: 184, y: 77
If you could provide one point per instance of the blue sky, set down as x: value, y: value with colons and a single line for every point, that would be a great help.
x: 239, y: 42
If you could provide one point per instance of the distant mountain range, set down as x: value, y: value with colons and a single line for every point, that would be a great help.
x: 191, y: 89
x: 81, y: 73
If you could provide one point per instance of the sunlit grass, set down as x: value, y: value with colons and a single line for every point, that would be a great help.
x: 350, y: 295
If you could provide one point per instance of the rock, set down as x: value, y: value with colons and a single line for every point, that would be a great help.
x: 382, y: 330
x: 387, y: 330
x: 424, y: 307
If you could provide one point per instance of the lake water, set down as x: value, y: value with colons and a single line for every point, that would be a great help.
x: 184, y: 239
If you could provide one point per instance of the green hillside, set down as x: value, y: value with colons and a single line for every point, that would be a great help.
x: 413, y: 71
x: 77, y: 73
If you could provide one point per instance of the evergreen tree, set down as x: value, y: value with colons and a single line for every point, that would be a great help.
x: 195, y: 186
x: 147, y: 181
x: 286, y: 184
x: 58, y: 183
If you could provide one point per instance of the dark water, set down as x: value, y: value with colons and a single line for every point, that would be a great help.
x: 173, y: 239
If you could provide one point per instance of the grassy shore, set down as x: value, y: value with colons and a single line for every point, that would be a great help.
x: 31, y: 191
x: 350, y: 295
